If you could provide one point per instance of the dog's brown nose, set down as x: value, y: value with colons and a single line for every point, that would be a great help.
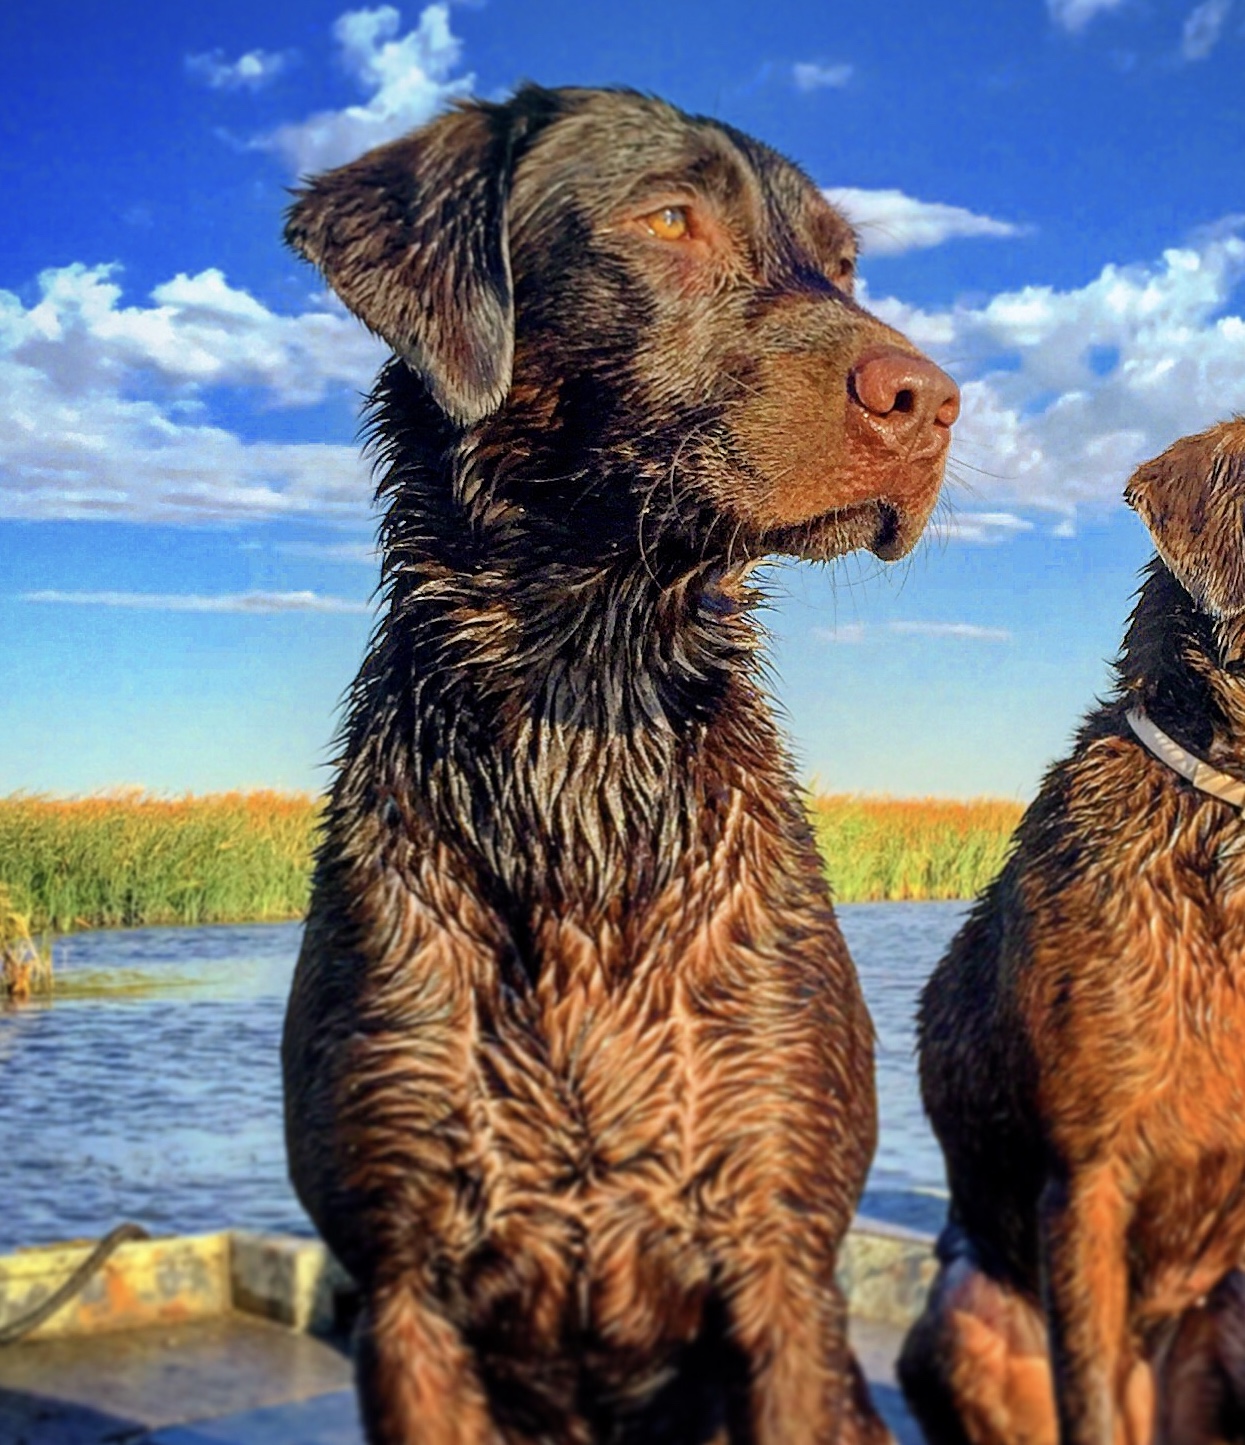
x: 905, y: 396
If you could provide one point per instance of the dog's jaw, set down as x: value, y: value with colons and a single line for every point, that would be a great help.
x: 874, y: 526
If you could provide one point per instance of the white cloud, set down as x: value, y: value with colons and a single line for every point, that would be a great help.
x: 246, y: 602
x: 1065, y: 391
x: 890, y: 222
x: 363, y: 554
x: 1074, y: 15
x: 965, y: 631
x: 810, y: 75
x: 986, y: 528
x: 1202, y: 28
x: 102, y: 403
x: 853, y: 633
x: 408, y: 79
x: 200, y: 332
x: 251, y: 71
x: 102, y: 413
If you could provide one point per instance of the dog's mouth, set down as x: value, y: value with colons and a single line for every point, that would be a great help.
x: 878, y: 527
x: 896, y: 498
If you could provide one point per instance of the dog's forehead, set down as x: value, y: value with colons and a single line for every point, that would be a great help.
x: 1206, y: 469
x: 1202, y: 457
x: 1230, y: 440
x: 607, y: 146
x: 791, y: 193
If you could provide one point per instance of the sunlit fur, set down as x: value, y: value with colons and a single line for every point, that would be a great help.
x: 1082, y: 1046
x: 579, y: 1074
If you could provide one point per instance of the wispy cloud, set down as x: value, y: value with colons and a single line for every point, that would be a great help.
x: 251, y: 71
x: 968, y: 631
x: 360, y: 553
x: 890, y: 222
x: 407, y: 77
x: 812, y: 75
x: 246, y: 602
x: 988, y: 528
x: 852, y: 633
x: 1202, y: 29
x: 1074, y: 15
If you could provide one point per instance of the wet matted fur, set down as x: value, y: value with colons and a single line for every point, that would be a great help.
x: 578, y: 1072
x: 1082, y: 1045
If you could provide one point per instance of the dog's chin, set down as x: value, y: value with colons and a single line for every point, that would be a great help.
x: 1214, y: 595
x: 875, y: 527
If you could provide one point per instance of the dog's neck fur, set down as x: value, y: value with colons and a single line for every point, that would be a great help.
x: 632, y: 673
x: 1187, y: 669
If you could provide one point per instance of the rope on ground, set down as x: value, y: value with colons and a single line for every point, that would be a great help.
x: 19, y: 1328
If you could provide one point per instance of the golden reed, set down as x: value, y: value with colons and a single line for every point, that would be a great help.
x: 128, y: 858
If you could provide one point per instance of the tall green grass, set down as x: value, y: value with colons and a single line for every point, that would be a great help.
x: 127, y: 859
x: 879, y: 849
x: 130, y: 858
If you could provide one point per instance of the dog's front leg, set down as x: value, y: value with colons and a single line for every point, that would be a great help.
x: 418, y: 1383
x: 1082, y: 1221
x: 789, y: 1318
x: 384, y: 1128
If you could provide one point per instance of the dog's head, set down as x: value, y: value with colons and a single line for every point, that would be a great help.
x: 650, y: 298
x: 1192, y: 499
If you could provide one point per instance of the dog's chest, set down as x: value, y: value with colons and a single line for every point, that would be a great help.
x: 585, y: 1125
x: 1182, y: 935
x: 585, y: 1073
x: 1137, y: 989
x: 1145, y: 989
x: 1171, y: 997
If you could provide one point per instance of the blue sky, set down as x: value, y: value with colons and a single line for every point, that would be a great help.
x: 1051, y: 195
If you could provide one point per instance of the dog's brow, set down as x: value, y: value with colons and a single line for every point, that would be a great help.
x: 712, y: 170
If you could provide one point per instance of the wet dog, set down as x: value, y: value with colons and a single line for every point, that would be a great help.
x: 578, y: 1071
x: 1082, y: 1044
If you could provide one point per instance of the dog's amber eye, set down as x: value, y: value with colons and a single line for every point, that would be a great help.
x: 668, y: 224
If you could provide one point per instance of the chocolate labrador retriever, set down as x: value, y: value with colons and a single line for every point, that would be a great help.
x: 579, y: 1074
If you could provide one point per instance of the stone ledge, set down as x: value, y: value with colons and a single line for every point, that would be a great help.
x: 148, y: 1282
x: 884, y: 1271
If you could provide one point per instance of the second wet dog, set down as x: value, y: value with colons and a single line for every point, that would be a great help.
x: 1083, y: 1042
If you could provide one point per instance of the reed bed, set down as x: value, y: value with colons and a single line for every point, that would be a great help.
x: 125, y: 859
x: 892, y: 849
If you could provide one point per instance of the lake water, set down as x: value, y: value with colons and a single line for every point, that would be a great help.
x: 150, y: 1089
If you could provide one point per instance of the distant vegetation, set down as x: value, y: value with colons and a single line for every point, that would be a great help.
x: 880, y: 849
x: 128, y: 859
x: 125, y: 859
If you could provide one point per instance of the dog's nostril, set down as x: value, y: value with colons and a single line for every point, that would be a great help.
x: 903, y: 391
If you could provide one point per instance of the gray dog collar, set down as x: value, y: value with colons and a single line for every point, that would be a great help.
x: 1201, y: 775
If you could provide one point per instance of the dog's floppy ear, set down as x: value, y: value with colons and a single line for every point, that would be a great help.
x: 412, y: 237
x: 1190, y: 497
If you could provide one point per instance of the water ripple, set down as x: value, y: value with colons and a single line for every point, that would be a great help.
x: 150, y: 1090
